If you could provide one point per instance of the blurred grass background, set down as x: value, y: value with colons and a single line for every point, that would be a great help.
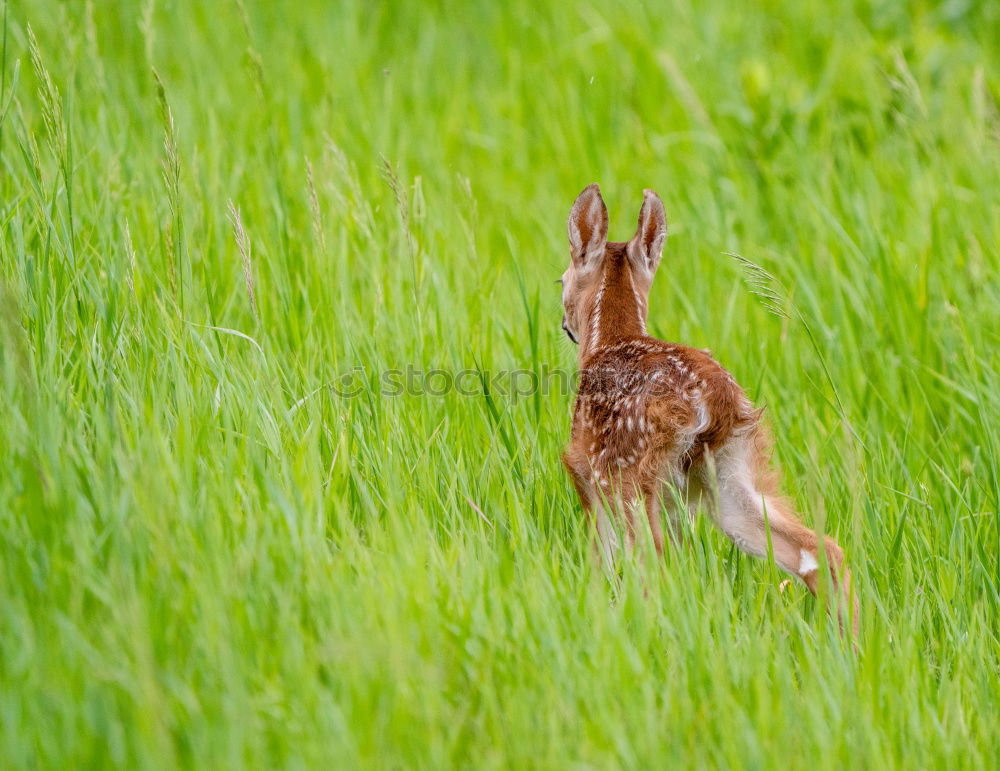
x: 209, y: 558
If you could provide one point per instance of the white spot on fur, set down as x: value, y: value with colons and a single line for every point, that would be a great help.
x: 807, y: 563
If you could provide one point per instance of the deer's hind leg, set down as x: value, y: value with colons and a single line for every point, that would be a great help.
x: 653, y: 516
x: 637, y: 497
x: 670, y: 491
x: 595, y: 501
x: 749, y: 511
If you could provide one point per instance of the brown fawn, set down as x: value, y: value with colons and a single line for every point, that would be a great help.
x: 658, y: 423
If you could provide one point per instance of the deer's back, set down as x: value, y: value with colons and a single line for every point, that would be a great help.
x: 643, y: 395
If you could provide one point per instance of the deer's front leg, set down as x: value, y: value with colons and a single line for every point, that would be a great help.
x: 595, y: 506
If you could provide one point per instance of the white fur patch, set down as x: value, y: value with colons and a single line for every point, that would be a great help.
x: 638, y: 303
x: 595, y: 329
x: 703, y: 416
x: 807, y: 563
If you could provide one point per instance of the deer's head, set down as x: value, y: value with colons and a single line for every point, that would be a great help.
x: 606, y: 286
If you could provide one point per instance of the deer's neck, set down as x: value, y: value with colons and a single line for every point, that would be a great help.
x: 617, y: 312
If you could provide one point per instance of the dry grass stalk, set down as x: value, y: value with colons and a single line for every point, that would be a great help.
x: 243, y: 244
x: 402, y: 203
x: 317, y: 219
x: 48, y: 95
x: 130, y: 252
x: 763, y: 285
x: 171, y: 158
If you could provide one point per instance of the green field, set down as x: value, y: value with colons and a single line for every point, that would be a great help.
x: 225, y: 542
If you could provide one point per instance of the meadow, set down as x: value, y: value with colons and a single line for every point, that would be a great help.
x: 225, y: 544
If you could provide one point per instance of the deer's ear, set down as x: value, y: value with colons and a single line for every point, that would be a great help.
x: 646, y: 246
x: 588, y: 227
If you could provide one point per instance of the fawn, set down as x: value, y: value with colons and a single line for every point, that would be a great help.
x: 655, y: 423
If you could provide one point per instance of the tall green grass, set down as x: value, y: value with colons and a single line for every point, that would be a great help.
x: 213, y: 213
